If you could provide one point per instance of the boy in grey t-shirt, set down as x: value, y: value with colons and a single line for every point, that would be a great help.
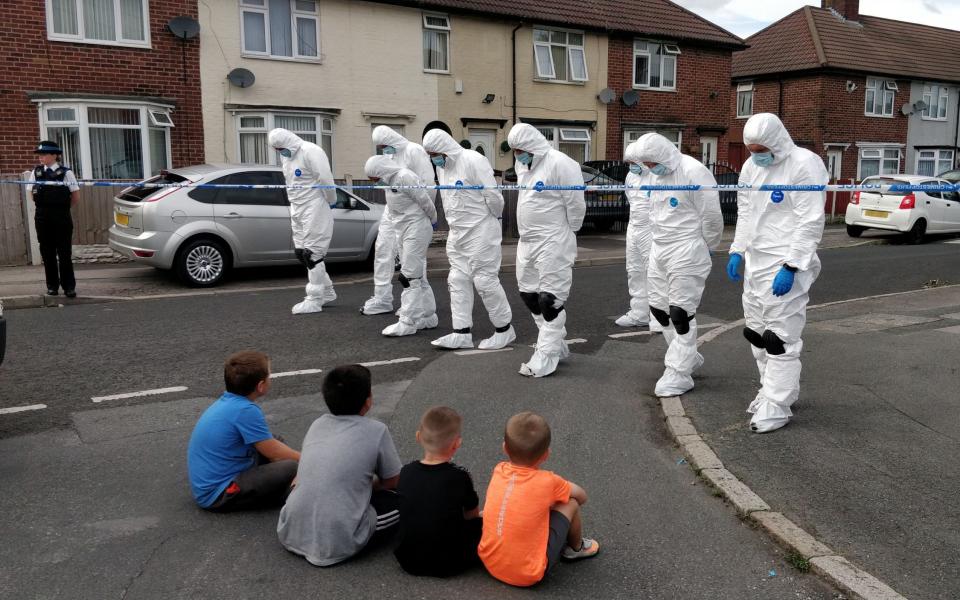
x: 344, y: 494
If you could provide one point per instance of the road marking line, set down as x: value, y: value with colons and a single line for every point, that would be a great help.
x: 637, y: 333
x: 292, y: 373
x: 472, y: 352
x: 569, y: 342
x: 16, y: 409
x: 378, y: 363
x: 169, y: 390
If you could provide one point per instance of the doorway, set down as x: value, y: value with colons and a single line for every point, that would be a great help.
x: 484, y: 141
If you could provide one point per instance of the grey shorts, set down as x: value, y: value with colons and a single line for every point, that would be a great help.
x: 559, y: 527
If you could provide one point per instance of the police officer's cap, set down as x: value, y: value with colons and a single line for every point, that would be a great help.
x: 48, y: 147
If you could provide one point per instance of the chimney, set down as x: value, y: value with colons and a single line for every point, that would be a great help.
x: 848, y: 9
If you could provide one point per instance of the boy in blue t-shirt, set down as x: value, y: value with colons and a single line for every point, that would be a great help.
x: 233, y: 460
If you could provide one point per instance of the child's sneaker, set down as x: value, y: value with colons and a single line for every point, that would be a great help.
x: 588, y: 549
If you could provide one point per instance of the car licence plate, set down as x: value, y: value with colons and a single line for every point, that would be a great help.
x: 122, y: 219
x: 879, y: 214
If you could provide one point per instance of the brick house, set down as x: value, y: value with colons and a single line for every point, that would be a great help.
x: 669, y: 69
x: 115, y: 88
x: 869, y: 95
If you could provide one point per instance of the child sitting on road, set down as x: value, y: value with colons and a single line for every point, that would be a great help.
x: 531, y: 518
x: 344, y: 496
x: 441, y: 521
x: 233, y: 461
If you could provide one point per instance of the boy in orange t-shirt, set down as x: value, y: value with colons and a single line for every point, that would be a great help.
x: 531, y: 518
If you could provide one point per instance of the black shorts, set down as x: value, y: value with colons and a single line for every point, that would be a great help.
x: 559, y: 527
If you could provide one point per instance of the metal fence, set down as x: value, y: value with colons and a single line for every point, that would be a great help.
x: 726, y: 175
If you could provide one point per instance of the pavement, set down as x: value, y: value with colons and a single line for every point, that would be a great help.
x: 867, y: 470
x: 23, y: 287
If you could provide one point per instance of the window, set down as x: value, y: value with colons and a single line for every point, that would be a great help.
x: 559, y: 55
x: 436, y: 43
x: 632, y: 135
x: 110, y: 141
x: 880, y: 96
x: 252, y: 128
x: 936, y: 98
x: 259, y: 197
x: 655, y: 65
x: 934, y: 162
x: 744, y: 100
x: 280, y: 28
x: 572, y: 141
x: 879, y: 161
x: 398, y: 128
x: 114, y: 22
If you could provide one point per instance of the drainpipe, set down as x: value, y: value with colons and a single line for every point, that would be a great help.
x: 513, y: 41
x: 780, y: 99
x: 956, y: 134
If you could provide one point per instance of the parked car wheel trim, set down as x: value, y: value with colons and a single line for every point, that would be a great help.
x: 203, y: 263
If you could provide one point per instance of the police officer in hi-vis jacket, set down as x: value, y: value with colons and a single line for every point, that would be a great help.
x: 53, y: 221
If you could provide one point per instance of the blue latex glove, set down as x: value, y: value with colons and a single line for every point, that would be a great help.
x: 783, y: 282
x: 434, y: 225
x: 733, y: 266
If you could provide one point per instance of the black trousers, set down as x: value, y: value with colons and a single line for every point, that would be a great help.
x: 55, y: 235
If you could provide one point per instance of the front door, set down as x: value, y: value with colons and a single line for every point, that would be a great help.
x: 484, y: 141
x: 834, y: 164
x: 708, y: 150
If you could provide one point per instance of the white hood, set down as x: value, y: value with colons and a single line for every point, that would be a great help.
x: 767, y: 130
x: 386, y: 136
x: 281, y: 138
x: 526, y: 137
x: 655, y: 148
x: 382, y: 167
x: 440, y: 142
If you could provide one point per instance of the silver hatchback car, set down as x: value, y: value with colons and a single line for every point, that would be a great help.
x: 202, y: 233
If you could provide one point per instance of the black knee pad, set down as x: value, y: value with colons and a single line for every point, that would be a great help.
x: 754, y: 338
x: 309, y: 261
x: 404, y: 281
x: 773, y: 343
x: 299, y: 254
x: 532, y: 300
x: 681, y: 320
x: 660, y: 315
x: 549, y: 306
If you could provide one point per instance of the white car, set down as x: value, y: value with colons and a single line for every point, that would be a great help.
x: 915, y: 214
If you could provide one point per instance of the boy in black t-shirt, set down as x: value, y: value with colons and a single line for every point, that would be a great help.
x: 441, y: 523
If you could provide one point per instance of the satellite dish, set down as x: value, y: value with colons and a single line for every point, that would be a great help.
x: 920, y: 105
x: 906, y: 109
x: 631, y: 97
x: 606, y: 96
x: 184, y: 28
x: 241, y: 78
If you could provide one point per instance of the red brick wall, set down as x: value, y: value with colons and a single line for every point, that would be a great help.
x: 32, y: 62
x: 701, y: 73
x: 818, y: 110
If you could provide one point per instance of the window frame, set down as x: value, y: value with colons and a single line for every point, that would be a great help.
x: 942, y: 104
x: 627, y: 131
x: 81, y: 121
x: 936, y: 159
x: 448, y: 30
x: 880, y: 151
x: 568, y: 54
x: 321, y: 119
x: 880, y: 89
x: 744, y: 88
x: 80, y: 37
x: 667, y: 51
x: 561, y: 133
x: 264, y: 9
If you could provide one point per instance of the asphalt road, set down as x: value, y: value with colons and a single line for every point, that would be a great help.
x: 64, y: 357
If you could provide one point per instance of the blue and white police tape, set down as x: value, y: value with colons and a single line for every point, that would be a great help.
x: 538, y: 187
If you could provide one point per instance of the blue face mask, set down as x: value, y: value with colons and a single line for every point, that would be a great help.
x: 439, y: 160
x: 763, y: 159
x: 658, y: 170
x: 389, y: 150
x: 284, y: 152
x: 636, y: 169
x: 525, y: 158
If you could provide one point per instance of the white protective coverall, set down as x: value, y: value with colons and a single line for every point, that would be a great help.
x: 473, y: 243
x: 411, y: 156
x: 776, y: 229
x: 686, y: 226
x: 639, y: 238
x: 413, y: 213
x: 310, y: 216
x: 548, y: 221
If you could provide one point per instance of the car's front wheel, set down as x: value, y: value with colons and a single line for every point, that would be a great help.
x: 917, y: 232
x: 855, y: 231
x: 202, y: 263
